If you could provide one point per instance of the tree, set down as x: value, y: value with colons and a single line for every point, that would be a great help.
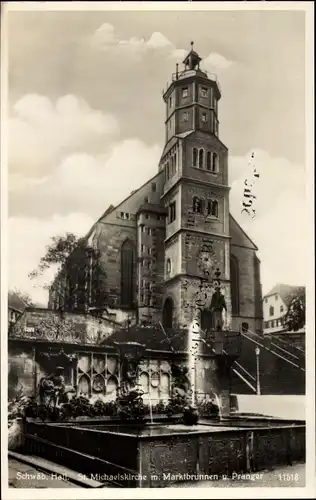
x: 80, y: 281
x: 57, y: 252
x: 295, y: 317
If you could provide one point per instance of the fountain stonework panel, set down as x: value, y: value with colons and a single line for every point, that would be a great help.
x: 161, y: 454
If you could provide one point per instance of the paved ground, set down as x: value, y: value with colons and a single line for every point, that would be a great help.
x: 26, y: 476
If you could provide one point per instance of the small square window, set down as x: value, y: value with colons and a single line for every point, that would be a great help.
x: 153, y: 187
x: 170, y: 102
x: 185, y: 116
x: 204, y: 92
x: 204, y: 117
x: 185, y: 92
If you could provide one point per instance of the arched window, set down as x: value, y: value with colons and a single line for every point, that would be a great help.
x: 201, y: 158
x: 167, y: 313
x: 214, y: 162
x: 215, y: 208
x: 208, y: 160
x: 168, y: 267
x: 127, y: 273
x: 167, y: 171
x: 194, y: 157
x: 234, y: 283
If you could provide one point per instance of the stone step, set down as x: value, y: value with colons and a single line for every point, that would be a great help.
x: 53, y: 468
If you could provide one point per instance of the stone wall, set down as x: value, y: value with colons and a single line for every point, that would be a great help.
x: 50, y: 325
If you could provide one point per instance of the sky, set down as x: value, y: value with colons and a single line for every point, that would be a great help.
x: 86, y: 122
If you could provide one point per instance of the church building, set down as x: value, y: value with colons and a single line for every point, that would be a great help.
x: 153, y: 246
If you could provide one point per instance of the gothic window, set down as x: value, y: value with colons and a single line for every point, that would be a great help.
x: 208, y: 160
x: 168, y: 266
x: 167, y: 171
x: 214, y: 209
x: 214, y: 162
x: 172, y: 212
x: 271, y: 311
x: 234, y: 280
x: 201, y: 158
x: 127, y: 273
x: 194, y: 157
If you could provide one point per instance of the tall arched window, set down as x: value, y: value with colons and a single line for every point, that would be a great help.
x: 127, y: 273
x: 234, y: 283
x: 167, y: 171
x: 214, y: 162
x: 194, y: 157
x: 208, y: 160
x: 215, y: 208
x: 201, y: 158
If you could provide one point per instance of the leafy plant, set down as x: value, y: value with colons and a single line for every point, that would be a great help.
x: 131, y: 406
x: 208, y: 408
x: 176, y: 405
x: 16, y: 406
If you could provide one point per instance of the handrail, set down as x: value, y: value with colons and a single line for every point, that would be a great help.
x: 270, y: 350
x: 244, y: 380
x: 244, y: 369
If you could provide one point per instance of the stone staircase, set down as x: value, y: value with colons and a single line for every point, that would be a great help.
x: 282, y: 367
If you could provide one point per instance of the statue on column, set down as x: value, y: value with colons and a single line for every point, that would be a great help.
x: 218, y: 304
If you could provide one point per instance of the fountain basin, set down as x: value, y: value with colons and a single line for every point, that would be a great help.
x: 157, y: 455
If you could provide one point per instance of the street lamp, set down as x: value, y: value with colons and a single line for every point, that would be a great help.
x: 257, y: 351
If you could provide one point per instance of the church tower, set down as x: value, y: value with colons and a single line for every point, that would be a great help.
x: 194, y: 166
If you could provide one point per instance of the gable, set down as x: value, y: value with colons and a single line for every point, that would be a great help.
x: 238, y: 235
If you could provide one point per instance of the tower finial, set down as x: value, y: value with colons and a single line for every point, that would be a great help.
x: 192, y: 43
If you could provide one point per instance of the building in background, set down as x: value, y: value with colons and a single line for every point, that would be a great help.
x: 275, y: 306
x: 16, y: 307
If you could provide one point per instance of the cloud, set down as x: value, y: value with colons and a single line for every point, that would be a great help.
x: 280, y: 205
x: 28, y: 237
x: 216, y: 61
x: 40, y: 131
x: 105, y: 39
x: 86, y: 182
